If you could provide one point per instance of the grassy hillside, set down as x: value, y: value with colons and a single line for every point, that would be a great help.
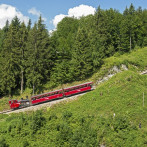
x: 136, y: 61
x: 89, y: 121
x: 111, y: 115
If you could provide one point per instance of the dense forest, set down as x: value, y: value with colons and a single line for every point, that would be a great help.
x: 31, y: 57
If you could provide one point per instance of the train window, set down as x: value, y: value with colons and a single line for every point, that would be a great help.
x: 33, y: 98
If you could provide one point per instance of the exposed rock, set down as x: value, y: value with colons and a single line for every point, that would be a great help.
x: 111, y: 73
x: 143, y: 72
x: 124, y: 67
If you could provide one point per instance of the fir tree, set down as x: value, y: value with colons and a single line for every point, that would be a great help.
x: 23, y: 41
x: 82, y: 58
x: 9, y: 58
x: 37, y: 56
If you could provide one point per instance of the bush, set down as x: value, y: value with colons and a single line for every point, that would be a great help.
x: 66, y: 115
x: 25, y: 143
x: 37, y: 121
x: 3, y: 143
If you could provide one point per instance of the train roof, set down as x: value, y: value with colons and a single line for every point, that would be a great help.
x: 46, y: 93
x: 79, y: 85
x: 60, y: 89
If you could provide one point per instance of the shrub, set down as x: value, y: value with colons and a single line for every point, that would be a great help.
x: 3, y: 142
x: 66, y: 114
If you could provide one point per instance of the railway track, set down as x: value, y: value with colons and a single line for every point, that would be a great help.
x: 43, y: 105
x: 3, y: 112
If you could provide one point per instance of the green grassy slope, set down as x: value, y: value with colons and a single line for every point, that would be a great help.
x: 90, y: 117
x: 136, y: 61
x: 110, y: 115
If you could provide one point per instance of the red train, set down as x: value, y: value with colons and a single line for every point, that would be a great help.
x: 14, y: 104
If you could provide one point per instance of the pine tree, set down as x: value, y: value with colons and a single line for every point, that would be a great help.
x: 82, y: 57
x: 127, y: 29
x: 29, y: 25
x: 144, y: 21
x: 9, y: 56
x: 37, y: 56
x: 3, y: 34
x: 23, y: 41
x: 98, y: 38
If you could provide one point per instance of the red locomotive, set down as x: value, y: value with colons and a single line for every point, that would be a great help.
x: 14, y: 104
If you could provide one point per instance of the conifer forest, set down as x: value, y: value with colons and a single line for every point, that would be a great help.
x: 31, y: 57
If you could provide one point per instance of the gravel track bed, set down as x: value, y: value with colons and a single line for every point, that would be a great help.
x: 44, y: 105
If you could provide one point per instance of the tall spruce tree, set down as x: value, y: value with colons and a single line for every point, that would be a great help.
x: 98, y: 38
x: 23, y: 41
x: 10, y: 58
x: 82, y: 57
x: 37, y: 55
x: 127, y: 29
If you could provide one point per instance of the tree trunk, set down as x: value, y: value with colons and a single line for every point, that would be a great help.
x: 130, y: 43
x: 10, y: 94
x: 33, y: 89
x: 22, y: 81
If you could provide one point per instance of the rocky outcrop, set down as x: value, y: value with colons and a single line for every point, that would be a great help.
x: 111, y: 73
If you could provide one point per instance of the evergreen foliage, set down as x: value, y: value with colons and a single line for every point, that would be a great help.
x: 30, y: 57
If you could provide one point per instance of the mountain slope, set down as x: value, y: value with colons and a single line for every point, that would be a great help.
x: 111, y: 115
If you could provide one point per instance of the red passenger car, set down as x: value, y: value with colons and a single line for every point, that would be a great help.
x: 78, y: 89
x: 51, y: 95
x: 46, y: 96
